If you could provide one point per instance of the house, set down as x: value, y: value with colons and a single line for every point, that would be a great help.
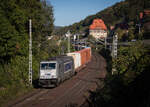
x: 98, y: 29
x: 145, y: 13
x: 145, y: 19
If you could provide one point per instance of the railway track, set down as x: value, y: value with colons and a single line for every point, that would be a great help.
x: 74, y: 90
x: 33, y: 95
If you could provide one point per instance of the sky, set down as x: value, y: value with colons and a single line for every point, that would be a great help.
x: 67, y: 12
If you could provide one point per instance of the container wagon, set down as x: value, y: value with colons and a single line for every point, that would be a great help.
x: 81, y: 57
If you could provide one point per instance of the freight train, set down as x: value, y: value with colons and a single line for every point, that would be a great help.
x: 56, y: 70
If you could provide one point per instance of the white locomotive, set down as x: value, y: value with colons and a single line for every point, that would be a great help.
x: 56, y: 70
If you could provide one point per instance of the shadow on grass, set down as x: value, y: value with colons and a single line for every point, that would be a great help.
x: 35, y: 84
x: 107, y: 55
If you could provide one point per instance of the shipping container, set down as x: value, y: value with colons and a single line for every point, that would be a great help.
x: 89, y: 52
x: 85, y: 55
x: 81, y: 58
x: 77, y: 59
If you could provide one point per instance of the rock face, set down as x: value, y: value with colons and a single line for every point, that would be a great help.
x: 98, y: 29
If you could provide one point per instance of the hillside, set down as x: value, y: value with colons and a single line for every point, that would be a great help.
x: 125, y: 12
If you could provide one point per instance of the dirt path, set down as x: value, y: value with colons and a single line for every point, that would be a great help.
x: 74, y: 90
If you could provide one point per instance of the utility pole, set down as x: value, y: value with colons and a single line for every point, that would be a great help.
x: 74, y: 40
x: 114, y: 50
x: 44, y: 1
x: 68, y: 34
x: 30, y: 51
x: 139, y: 26
x: 78, y: 41
x: 74, y: 37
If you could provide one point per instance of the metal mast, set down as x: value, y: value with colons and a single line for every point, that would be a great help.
x: 114, y: 47
x: 30, y: 51
x: 105, y: 42
x: 78, y: 42
x: 44, y: 2
x: 68, y: 34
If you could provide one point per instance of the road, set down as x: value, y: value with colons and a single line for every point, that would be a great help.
x: 72, y: 91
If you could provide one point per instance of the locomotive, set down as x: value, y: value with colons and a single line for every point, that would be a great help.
x: 57, y: 69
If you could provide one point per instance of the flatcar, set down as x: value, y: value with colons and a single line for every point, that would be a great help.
x: 56, y: 70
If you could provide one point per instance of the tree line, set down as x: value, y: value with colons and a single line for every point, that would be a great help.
x: 14, y: 43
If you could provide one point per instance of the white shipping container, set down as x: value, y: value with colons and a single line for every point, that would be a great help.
x: 77, y: 59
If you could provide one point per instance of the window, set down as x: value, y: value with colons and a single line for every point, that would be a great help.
x: 68, y: 66
x: 48, y: 66
x: 52, y: 65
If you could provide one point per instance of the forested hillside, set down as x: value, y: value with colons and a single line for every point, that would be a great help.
x: 14, y: 40
x: 125, y: 13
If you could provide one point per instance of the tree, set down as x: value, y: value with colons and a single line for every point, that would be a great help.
x: 8, y: 39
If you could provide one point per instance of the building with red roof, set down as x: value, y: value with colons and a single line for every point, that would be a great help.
x: 98, y: 29
x: 145, y: 13
x: 145, y: 16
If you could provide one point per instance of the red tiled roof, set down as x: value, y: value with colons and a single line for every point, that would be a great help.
x: 98, y: 24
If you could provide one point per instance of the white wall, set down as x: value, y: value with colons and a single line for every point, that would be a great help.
x: 98, y: 34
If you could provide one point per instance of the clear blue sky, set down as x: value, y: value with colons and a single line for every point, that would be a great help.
x: 67, y: 12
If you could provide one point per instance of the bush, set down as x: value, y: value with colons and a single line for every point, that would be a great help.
x: 130, y: 85
x: 14, y: 78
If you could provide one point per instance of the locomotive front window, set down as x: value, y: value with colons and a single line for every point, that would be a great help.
x: 48, y: 66
x: 52, y: 65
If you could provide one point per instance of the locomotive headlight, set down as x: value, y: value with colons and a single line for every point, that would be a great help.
x: 42, y: 77
x: 42, y: 73
x: 53, y: 76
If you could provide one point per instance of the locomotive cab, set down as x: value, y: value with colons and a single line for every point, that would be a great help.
x: 55, y: 70
x: 48, y: 70
x: 48, y: 73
